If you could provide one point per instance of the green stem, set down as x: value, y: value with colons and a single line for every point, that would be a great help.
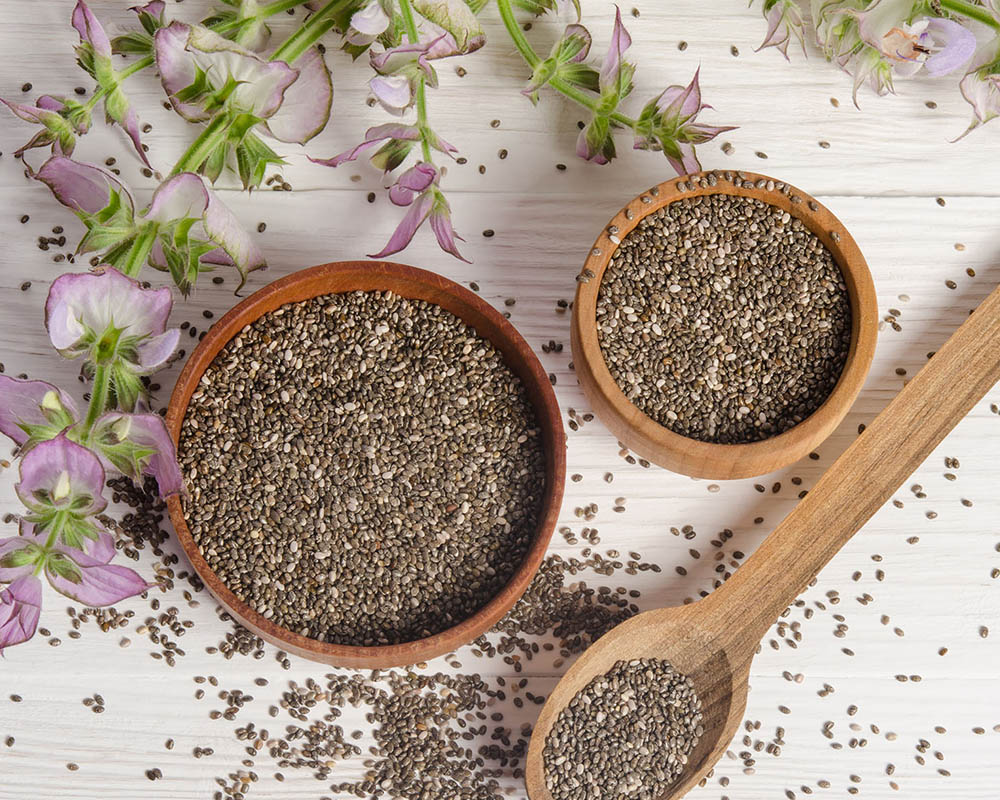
x: 410, y: 24
x: 98, y: 398
x: 211, y: 137
x: 310, y: 32
x: 532, y: 58
x: 131, y: 69
x: 269, y: 10
x: 139, y: 251
x: 51, y: 540
x: 972, y: 11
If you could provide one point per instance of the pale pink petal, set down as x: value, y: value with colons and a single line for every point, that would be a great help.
x: 20, y: 608
x: 96, y: 584
x: 373, y: 136
x: 90, y: 29
x: 393, y: 92
x: 21, y: 401
x: 443, y: 231
x: 620, y: 42
x: 370, y: 21
x: 408, y: 226
x: 148, y: 430
x: 413, y: 181
x: 153, y: 353
x: 64, y: 468
x: 959, y: 45
x: 306, y: 107
x: 10, y: 550
x: 81, y: 187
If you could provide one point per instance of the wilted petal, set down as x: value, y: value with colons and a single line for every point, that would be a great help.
x: 91, y: 30
x: 82, y: 302
x: 305, y: 110
x: 956, y: 42
x: 620, y: 42
x: 20, y: 608
x: 21, y: 403
x: 408, y: 226
x: 91, y: 581
x: 393, y: 92
x: 373, y: 136
x: 147, y: 431
x: 443, y: 231
x: 81, y: 187
x: 412, y: 182
x: 60, y: 473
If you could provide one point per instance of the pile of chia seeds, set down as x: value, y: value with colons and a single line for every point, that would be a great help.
x: 362, y: 468
x: 724, y: 319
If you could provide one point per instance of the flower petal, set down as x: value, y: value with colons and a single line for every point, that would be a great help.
x: 959, y: 45
x: 443, y: 230
x: 370, y: 21
x: 393, y: 92
x: 21, y: 402
x: 181, y: 196
x: 149, y: 430
x: 66, y: 471
x: 20, y: 608
x: 10, y: 567
x: 455, y: 17
x: 87, y: 301
x: 223, y: 228
x: 408, y: 226
x: 101, y: 549
x: 81, y: 187
x: 373, y: 136
x: 620, y: 42
x: 154, y: 353
x: 96, y: 584
x: 91, y: 30
x: 305, y: 110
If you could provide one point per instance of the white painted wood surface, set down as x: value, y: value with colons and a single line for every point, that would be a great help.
x: 886, y: 165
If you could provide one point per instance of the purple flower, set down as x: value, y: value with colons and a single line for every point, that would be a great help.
x: 94, y: 54
x: 62, y: 120
x: 784, y: 22
x: 940, y: 45
x: 33, y: 411
x: 20, y: 608
x: 201, y: 70
x: 186, y: 197
x: 668, y: 123
x: 110, y: 319
x: 61, y: 476
x: 138, y: 444
x: 616, y: 72
x: 417, y: 188
x: 396, y: 140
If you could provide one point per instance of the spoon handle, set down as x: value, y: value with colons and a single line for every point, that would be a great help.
x: 864, y: 477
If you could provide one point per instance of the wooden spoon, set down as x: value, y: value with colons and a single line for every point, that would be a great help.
x: 714, y: 640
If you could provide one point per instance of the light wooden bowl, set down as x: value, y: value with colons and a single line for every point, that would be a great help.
x: 646, y: 437
x: 413, y: 283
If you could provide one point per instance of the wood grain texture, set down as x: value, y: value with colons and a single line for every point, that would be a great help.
x: 415, y: 284
x: 886, y: 165
x: 714, y: 640
x: 689, y: 456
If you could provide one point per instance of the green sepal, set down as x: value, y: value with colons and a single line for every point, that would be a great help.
x: 392, y: 154
x: 582, y: 75
x: 62, y: 565
x: 133, y: 43
x: 22, y: 557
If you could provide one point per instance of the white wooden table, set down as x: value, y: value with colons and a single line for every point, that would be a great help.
x: 884, y: 168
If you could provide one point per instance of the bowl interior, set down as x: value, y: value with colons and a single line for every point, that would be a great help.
x: 412, y: 283
x: 689, y: 456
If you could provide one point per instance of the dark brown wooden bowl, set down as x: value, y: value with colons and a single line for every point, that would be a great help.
x: 410, y: 282
x: 644, y: 435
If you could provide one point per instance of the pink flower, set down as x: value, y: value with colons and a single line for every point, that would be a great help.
x: 94, y: 54
x: 62, y: 120
x: 138, y: 444
x: 33, y: 411
x: 417, y: 188
x: 396, y: 139
x: 668, y: 123
x: 20, y: 608
x: 61, y: 476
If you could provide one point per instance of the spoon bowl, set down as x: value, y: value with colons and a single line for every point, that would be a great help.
x: 681, y: 636
x: 714, y: 640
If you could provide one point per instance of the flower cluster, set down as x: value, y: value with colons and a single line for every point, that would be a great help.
x: 119, y: 331
x: 877, y: 41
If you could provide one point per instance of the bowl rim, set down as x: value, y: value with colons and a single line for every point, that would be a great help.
x: 315, y: 282
x: 706, y: 459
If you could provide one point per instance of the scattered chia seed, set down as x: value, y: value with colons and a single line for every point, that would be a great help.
x: 627, y: 734
x: 703, y: 301
x: 446, y: 512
